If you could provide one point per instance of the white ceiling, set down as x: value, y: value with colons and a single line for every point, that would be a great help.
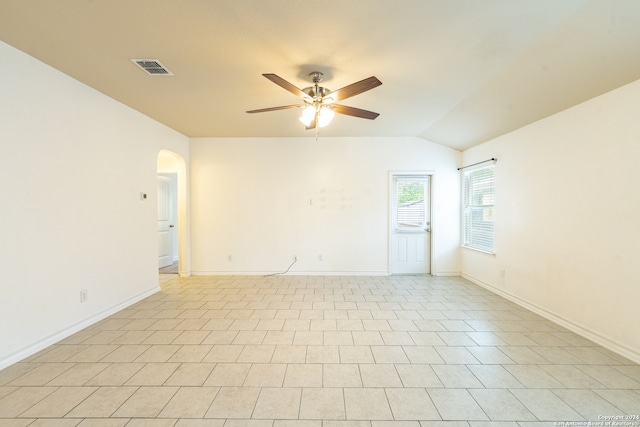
x: 456, y: 72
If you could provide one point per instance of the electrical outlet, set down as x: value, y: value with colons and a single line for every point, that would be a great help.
x: 229, y: 258
x: 320, y: 258
x: 84, y: 295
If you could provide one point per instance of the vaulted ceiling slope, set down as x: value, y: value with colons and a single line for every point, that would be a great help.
x: 455, y: 72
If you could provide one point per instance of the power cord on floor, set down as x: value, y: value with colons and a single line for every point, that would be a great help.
x: 295, y: 259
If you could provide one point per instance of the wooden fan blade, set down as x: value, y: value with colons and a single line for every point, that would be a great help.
x: 286, y: 85
x: 283, y: 107
x: 355, y: 112
x: 354, y: 89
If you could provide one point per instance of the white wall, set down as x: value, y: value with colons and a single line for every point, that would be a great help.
x: 567, y: 219
x: 73, y: 164
x: 263, y: 200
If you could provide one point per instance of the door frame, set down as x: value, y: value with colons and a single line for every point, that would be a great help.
x: 432, y: 178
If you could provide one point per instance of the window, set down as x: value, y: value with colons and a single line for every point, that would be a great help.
x: 478, y: 199
x: 410, y: 203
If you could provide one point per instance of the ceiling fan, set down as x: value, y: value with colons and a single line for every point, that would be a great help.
x: 319, y: 102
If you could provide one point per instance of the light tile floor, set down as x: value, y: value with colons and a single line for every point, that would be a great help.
x: 293, y: 351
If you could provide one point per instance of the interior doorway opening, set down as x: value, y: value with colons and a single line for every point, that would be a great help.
x: 172, y: 214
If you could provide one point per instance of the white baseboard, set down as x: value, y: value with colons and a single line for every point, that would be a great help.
x: 447, y: 274
x: 290, y: 273
x: 311, y: 273
x: 604, y: 341
x: 54, y: 338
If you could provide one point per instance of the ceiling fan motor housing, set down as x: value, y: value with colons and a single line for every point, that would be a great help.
x: 316, y: 91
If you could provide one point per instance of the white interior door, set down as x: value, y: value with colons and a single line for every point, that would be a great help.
x: 410, y: 234
x: 165, y: 227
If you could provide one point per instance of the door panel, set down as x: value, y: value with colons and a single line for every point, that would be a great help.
x: 402, y: 249
x: 165, y: 234
x: 410, y: 225
x: 420, y: 249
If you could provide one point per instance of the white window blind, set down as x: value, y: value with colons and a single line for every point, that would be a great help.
x: 478, y: 195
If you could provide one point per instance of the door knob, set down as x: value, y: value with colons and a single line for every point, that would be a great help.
x: 171, y: 226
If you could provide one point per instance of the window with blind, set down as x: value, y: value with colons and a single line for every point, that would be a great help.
x: 478, y: 195
x: 410, y: 203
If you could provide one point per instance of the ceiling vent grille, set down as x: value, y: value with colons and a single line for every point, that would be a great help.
x: 152, y: 67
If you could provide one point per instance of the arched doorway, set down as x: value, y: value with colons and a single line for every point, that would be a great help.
x: 172, y: 214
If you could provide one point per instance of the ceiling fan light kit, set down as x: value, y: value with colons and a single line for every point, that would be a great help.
x: 322, y: 114
x: 325, y: 115
x: 319, y: 102
x: 308, y: 114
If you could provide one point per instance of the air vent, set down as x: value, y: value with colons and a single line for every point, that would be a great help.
x: 152, y: 67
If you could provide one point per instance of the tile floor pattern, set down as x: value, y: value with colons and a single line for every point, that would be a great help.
x: 289, y: 351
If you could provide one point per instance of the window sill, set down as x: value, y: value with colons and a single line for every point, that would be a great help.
x: 491, y: 254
